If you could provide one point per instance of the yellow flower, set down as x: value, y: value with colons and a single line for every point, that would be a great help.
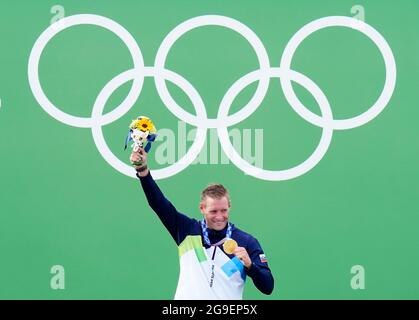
x: 134, y: 124
x: 143, y: 124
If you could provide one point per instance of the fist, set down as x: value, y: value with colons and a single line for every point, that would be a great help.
x: 242, y: 254
x: 139, y: 156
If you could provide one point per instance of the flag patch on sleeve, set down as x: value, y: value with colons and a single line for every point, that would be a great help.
x: 263, y: 258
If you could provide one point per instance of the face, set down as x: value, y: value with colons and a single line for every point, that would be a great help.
x: 215, y: 212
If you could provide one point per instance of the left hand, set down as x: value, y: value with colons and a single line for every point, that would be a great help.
x: 242, y: 254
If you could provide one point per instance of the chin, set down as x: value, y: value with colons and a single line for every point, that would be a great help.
x: 219, y: 227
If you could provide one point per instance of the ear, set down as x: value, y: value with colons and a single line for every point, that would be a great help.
x: 202, y: 208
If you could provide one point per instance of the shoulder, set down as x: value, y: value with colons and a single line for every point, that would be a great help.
x: 245, y: 239
x: 192, y: 225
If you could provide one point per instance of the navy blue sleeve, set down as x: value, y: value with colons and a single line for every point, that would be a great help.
x: 259, y: 271
x: 175, y: 222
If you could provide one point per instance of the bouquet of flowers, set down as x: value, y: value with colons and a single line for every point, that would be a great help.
x: 142, y: 132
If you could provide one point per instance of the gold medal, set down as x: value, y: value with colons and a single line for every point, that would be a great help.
x: 229, y: 246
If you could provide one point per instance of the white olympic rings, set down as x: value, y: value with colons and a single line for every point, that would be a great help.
x: 223, y: 120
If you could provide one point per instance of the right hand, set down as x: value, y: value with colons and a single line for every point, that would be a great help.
x: 140, y: 155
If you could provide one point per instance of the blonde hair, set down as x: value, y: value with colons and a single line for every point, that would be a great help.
x: 215, y: 191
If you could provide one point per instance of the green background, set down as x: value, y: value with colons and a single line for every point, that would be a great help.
x: 62, y: 204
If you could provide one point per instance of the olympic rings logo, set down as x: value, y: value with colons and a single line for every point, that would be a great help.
x: 223, y: 120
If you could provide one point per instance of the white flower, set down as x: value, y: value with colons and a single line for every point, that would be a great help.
x: 139, y: 137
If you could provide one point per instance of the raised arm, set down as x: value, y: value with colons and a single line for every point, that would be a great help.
x: 175, y: 222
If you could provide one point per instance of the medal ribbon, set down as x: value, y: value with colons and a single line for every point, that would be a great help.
x: 206, y: 237
x: 215, y: 245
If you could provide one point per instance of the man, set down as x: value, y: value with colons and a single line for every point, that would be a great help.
x: 215, y: 256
